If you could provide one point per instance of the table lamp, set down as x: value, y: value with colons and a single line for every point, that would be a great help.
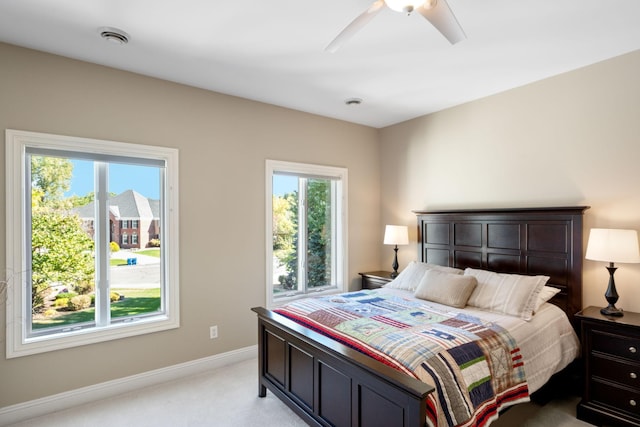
x: 613, y: 245
x: 396, y: 235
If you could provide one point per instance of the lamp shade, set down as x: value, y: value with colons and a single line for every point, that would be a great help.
x: 396, y: 235
x: 613, y: 245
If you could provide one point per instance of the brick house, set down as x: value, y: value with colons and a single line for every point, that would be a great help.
x: 134, y: 219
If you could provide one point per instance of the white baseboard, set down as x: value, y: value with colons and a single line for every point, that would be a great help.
x: 58, y: 402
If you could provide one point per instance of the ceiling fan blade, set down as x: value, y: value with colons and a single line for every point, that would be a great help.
x: 444, y: 20
x: 355, y: 26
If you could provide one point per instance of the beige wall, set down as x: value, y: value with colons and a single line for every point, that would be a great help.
x: 223, y: 143
x: 569, y: 140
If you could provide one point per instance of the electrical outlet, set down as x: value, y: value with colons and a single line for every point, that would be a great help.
x: 213, y: 332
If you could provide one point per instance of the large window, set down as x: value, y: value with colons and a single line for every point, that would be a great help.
x: 306, y: 230
x: 75, y: 277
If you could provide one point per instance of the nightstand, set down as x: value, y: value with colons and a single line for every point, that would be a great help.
x: 611, y: 355
x: 375, y: 279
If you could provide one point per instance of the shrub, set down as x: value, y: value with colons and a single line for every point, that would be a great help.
x: 80, y: 302
x: 287, y: 282
x: 66, y: 295
x: 50, y: 312
x: 84, y: 287
x: 154, y: 243
x: 114, y: 296
x: 61, y: 303
x: 115, y: 247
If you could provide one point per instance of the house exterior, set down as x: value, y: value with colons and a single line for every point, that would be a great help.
x: 134, y: 219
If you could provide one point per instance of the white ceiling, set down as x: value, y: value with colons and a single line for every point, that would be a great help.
x: 273, y: 51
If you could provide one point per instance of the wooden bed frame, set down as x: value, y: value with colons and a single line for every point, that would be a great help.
x: 328, y: 384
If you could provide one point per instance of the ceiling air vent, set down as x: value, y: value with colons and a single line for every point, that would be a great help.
x: 114, y: 35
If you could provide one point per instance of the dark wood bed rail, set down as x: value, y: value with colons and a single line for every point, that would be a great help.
x: 327, y: 383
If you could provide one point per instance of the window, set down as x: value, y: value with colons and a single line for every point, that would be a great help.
x: 134, y: 238
x: 134, y: 224
x: 306, y: 230
x: 65, y: 196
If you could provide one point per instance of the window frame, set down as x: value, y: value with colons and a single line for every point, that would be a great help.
x: 18, y: 342
x: 341, y: 217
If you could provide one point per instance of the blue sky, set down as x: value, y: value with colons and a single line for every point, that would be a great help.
x: 284, y: 184
x: 145, y: 180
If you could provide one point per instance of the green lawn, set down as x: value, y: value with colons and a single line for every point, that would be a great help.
x: 135, y: 302
x: 150, y: 252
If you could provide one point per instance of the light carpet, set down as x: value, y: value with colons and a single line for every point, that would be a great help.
x: 228, y: 396
x: 558, y: 413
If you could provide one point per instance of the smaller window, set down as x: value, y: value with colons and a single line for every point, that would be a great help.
x: 306, y: 230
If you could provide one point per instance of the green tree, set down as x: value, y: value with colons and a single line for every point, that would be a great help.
x: 62, y: 253
x: 52, y: 177
x: 319, y: 232
x: 283, y: 225
x: 290, y: 257
x: 77, y: 201
x: 318, y: 236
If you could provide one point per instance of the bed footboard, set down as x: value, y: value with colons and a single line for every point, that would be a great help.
x: 328, y: 384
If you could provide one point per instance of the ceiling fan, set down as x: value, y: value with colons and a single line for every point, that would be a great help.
x: 437, y: 12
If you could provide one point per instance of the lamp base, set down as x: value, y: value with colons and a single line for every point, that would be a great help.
x: 611, y: 295
x: 395, y: 265
x: 611, y: 310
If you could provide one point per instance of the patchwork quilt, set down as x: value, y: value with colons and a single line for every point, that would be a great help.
x: 475, y: 366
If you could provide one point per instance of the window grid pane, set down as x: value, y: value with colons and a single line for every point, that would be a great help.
x: 305, y: 254
x: 319, y: 232
x: 69, y: 248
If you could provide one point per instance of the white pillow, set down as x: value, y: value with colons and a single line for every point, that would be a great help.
x: 446, y: 288
x: 410, y: 277
x: 545, y: 295
x: 512, y: 294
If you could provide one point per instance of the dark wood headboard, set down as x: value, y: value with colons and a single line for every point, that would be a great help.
x: 546, y: 241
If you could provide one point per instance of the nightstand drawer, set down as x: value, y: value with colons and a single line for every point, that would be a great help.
x: 621, y: 398
x: 616, y: 345
x: 374, y: 282
x: 617, y: 370
x: 375, y: 279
